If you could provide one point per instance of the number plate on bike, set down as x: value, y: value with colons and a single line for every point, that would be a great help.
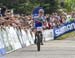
x: 39, y: 28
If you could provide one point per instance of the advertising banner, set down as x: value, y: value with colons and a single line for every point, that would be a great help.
x: 65, y: 28
x: 4, y: 35
x: 14, y: 37
x: 30, y: 38
x: 48, y: 35
x: 25, y: 38
x: 2, y: 48
x: 19, y: 34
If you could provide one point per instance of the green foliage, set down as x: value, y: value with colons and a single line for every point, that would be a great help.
x: 70, y: 5
x: 50, y: 6
x: 27, y: 6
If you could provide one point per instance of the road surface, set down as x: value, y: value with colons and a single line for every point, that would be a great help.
x: 50, y: 49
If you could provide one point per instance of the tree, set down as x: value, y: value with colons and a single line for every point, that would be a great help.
x: 69, y: 5
x: 27, y: 6
x: 50, y: 5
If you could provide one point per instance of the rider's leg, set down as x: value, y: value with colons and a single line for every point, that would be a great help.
x: 37, y: 38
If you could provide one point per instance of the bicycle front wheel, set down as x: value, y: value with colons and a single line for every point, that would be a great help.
x: 38, y: 42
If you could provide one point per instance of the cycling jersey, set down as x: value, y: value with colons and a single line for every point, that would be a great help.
x: 38, y: 21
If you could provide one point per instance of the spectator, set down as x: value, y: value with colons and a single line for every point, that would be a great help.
x: 3, y: 9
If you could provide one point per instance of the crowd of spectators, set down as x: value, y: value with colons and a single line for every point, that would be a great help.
x: 16, y: 20
x: 27, y: 22
x: 57, y: 20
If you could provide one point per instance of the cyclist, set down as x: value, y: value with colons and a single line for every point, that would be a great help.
x: 38, y: 23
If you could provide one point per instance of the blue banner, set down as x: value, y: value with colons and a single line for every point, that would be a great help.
x: 65, y: 28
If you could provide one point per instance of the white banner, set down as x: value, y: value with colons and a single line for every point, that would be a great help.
x: 48, y: 35
x: 1, y: 40
x: 2, y: 50
x: 13, y: 39
x: 30, y: 38
x: 19, y: 34
x: 5, y: 39
x: 25, y: 38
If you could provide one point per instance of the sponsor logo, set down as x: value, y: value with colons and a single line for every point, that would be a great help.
x: 64, y: 29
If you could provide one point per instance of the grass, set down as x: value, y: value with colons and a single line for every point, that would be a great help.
x: 68, y: 35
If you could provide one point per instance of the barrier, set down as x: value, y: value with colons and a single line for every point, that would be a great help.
x: 2, y: 48
x: 5, y: 40
x: 25, y: 38
x: 15, y: 38
x: 19, y: 35
x: 9, y: 40
x: 48, y: 35
x: 30, y: 38
x: 65, y: 28
x: 12, y: 38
